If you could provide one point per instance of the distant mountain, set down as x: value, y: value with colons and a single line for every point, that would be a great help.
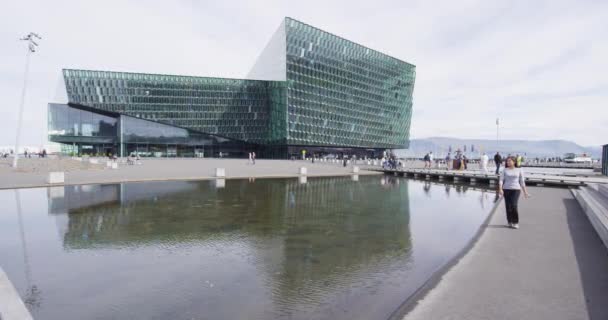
x: 529, y: 148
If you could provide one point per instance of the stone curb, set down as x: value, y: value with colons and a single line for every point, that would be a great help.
x: 11, y: 305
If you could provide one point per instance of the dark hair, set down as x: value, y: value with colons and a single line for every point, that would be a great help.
x: 512, y: 159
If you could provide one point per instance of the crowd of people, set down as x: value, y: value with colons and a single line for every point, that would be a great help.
x: 26, y: 154
x: 461, y: 162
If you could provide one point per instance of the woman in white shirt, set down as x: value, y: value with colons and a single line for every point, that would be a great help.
x: 511, y: 183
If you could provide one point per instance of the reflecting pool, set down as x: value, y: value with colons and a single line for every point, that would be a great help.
x: 319, y: 248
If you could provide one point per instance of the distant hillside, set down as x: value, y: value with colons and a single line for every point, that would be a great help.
x: 541, y: 148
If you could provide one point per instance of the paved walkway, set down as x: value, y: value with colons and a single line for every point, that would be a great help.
x: 553, y: 267
x: 175, y: 169
x: 11, y: 305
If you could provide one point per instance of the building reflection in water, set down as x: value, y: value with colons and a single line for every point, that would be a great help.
x: 311, y: 235
x: 312, y: 244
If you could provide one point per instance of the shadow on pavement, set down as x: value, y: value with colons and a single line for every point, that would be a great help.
x: 592, y: 259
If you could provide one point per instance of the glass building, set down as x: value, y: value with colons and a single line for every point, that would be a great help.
x: 605, y: 160
x: 309, y: 92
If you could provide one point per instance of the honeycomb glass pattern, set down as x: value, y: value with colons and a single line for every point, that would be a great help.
x: 233, y: 108
x: 343, y: 94
x: 314, y: 91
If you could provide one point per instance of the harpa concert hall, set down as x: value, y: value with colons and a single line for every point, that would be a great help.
x: 309, y: 92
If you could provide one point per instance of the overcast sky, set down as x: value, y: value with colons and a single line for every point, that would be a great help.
x: 541, y: 66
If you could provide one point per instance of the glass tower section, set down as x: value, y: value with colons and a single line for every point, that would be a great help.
x: 343, y: 94
x: 234, y: 108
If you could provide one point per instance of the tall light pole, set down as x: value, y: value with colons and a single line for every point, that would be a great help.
x: 31, y: 47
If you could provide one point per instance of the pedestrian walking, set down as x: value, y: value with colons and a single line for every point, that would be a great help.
x: 427, y: 161
x: 484, y: 162
x: 497, y: 161
x: 511, y: 183
x: 253, y: 157
x: 250, y: 161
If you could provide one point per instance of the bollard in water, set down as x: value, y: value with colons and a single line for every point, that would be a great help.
x: 220, y: 183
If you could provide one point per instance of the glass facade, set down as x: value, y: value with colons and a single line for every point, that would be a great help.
x: 66, y: 121
x: 233, y: 108
x: 315, y: 91
x: 86, y: 131
x: 343, y: 94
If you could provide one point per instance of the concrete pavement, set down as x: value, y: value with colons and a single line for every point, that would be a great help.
x: 11, y: 305
x: 175, y: 169
x: 554, y: 267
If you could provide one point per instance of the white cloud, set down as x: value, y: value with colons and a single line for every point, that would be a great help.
x: 540, y: 66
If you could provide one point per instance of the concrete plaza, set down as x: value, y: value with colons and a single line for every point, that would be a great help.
x: 33, y: 172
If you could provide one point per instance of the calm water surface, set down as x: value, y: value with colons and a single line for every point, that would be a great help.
x: 329, y: 248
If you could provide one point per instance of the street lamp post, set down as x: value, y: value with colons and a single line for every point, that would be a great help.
x: 31, y: 47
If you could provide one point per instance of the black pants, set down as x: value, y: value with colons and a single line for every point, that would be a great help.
x: 511, y: 199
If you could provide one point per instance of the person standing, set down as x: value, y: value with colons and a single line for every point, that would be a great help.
x: 427, y: 160
x: 448, y: 159
x: 253, y: 157
x: 518, y: 160
x: 250, y: 158
x: 484, y: 162
x: 511, y: 183
x: 497, y: 161
x: 431, y: 158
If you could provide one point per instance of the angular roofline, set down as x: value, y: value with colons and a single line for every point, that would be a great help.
x: 162, y: 74
x: 337, y: 36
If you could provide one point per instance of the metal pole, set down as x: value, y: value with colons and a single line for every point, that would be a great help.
x: 26, y: 260
x: 27, y: 66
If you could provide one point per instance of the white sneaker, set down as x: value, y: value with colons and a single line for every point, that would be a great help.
x: 515, y: 226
